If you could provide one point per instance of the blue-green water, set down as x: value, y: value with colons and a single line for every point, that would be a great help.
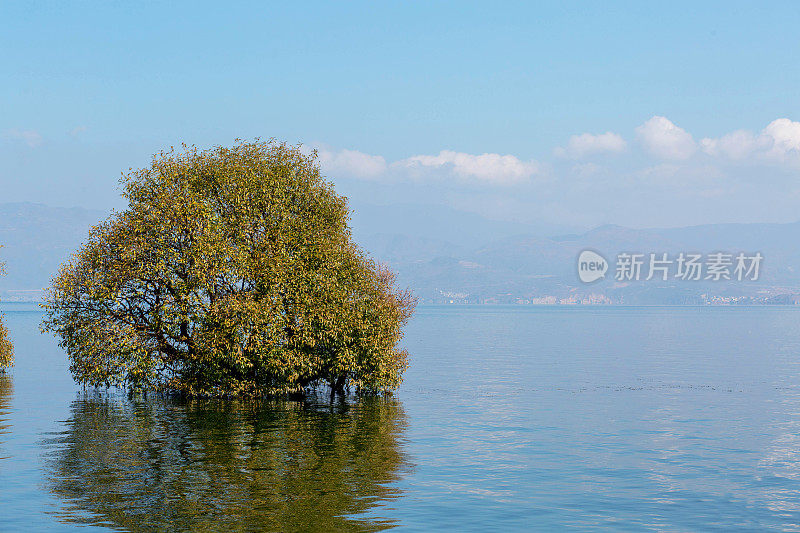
x: 510, y: 418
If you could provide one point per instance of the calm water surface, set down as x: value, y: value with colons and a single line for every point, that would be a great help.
x: 510, y: 418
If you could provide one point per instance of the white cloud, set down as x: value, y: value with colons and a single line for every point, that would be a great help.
x: 352, y: 163
x: 738, y: 144
x: 785, y: 136
x: 494, y: 168
x: 664, y: 139
x: 29, y: 137
x: 491, y: 168
x: 778, y: 142
x: 586, y: 144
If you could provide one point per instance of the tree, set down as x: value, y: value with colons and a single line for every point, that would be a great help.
x: 231, y: 272
x: 6, y: 348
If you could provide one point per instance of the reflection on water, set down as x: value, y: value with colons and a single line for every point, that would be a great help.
x: 213, y: 465
x: 6, y: 391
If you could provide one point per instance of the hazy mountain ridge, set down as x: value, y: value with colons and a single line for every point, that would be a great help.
x: 544, y: 270
x: 36, y: 239
x: 489, y: 265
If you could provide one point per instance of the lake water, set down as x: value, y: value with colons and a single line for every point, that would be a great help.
x: 510, y: 418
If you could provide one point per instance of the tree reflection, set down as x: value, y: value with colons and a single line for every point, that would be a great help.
x: 215, y: 465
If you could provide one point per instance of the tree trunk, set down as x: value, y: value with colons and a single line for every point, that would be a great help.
x: 337, y: 387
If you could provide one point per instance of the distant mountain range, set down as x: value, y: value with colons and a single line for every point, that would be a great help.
x: 36, y: 239
x: 544, y: 270
x: 450, y: 256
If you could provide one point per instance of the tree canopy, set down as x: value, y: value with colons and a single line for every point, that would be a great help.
x: 231, y: 272
x: 6, y: 348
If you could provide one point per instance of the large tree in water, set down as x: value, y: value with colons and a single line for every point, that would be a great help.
x: 232, y: 272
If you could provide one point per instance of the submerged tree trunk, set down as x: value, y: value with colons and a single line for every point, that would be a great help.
x: 337, y: 386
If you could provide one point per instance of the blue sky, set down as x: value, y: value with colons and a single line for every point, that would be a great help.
x: 404, y: 98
